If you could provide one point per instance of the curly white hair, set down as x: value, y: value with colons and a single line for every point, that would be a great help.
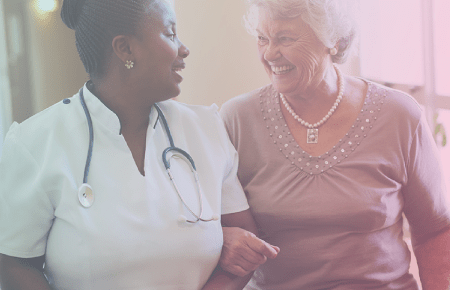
x: 333, y: 21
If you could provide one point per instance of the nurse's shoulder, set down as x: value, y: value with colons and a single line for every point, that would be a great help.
x: 56, y: 122
x: 196, y: 120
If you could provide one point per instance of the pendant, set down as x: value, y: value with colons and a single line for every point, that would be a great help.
x: 312, y: 136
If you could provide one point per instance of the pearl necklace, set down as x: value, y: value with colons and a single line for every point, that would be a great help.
x: 312, y: 134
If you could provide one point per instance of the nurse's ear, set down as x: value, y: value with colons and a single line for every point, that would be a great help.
x: 122, y: 46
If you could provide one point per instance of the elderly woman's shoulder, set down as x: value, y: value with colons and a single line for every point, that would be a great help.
x: 398, y: 102
x: 245, y: 102
x: 183, y: 113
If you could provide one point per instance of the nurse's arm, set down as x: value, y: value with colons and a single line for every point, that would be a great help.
x: 242, y: 252
x: 19, y: 273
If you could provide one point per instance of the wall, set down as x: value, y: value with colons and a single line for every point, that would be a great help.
x: 56, y: 69
x: 223, y: 61
x: 44, y: 66
x: 17, y: 60
x: 5, y: 96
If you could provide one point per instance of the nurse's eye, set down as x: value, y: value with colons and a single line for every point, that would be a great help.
x: 171, y: 36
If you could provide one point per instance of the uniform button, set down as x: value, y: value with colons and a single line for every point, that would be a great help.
x: 66, y: 101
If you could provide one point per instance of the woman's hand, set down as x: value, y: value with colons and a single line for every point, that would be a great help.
x: 243, y: 252
x: 19, y: 273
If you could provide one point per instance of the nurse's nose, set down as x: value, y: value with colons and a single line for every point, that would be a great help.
x: 183, y: 51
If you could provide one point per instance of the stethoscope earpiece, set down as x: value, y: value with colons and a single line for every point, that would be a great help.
x: 182, y: 219
x: 86, y: 195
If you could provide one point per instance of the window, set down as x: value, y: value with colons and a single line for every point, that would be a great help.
x: 442, y: 46
x: 395, y: 50
x: 391, y: 41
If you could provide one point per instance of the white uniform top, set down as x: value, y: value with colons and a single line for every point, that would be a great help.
x: 131, y: 237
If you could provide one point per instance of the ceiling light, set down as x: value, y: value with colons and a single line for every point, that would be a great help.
x: 46, y: 6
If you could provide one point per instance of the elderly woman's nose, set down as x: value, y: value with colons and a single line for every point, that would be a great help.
x: 272, y: 53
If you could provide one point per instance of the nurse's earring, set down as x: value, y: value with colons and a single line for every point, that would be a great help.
x: 333, y: 51
x: 129, y: 64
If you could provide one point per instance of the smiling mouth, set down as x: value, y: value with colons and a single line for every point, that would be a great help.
x: 177, y: 70
x: 281, y: 70
x: 178, y: 67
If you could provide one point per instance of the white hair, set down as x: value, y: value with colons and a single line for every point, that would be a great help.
x: 333, y: 21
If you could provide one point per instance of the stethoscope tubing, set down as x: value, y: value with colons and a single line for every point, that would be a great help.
x: 91, y: 137
x: 86, y: 196
x: 182, y: 152
x: 166, y: 126
x: 191, y: 162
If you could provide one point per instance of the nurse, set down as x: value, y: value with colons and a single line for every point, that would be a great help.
x: 131, y: 228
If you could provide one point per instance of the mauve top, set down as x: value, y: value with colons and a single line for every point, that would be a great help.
x: 338, y: 217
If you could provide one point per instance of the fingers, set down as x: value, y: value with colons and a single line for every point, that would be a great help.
x: 241, y: 260
x: 238, y: 258
x: 263, y: 247
x: 243, y: 252
x: 253, y: 257
x: 277, y: 249
x: 238, y: 266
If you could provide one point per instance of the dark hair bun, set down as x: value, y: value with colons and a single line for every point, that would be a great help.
x: 70, y: 12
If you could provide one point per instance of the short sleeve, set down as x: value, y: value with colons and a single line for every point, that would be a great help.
x: 233, y: 196
x: 426, y: 202
x: 26, y: 213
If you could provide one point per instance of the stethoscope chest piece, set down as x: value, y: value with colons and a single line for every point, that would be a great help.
x: 85, y: 195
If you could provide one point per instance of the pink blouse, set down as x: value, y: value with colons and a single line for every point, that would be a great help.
x: 338, y: 217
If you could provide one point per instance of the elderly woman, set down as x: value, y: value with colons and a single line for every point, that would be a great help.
x: 330, y: 163
x: 121, y: 219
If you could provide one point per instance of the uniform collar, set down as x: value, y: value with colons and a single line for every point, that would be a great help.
x: 108, y: 118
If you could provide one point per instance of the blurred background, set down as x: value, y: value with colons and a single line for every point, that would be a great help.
x: 403, y: 44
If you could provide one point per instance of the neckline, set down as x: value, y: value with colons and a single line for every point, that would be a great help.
x: 108, y: 118
x: 110, y: 122
x: 281, y: 136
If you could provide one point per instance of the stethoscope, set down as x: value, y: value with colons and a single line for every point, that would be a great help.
x: 86, y: 195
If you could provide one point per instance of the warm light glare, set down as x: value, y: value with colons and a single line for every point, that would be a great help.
x: 46, y: 6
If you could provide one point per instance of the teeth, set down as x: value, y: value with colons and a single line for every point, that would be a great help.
x: 282, y: 69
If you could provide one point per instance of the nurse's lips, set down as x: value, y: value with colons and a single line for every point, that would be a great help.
x: 178, y: 68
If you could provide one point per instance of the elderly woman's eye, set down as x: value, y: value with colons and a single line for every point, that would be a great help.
x: 286, y: 39
x: 262, y: 39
